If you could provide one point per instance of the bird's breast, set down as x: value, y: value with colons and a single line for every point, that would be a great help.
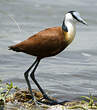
x: 69, y: 37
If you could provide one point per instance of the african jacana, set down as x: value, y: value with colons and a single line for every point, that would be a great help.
x: 48, y: 42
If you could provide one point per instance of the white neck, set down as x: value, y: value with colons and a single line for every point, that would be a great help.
x: 71, y: 26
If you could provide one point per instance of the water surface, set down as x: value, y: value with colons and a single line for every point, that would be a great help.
x: 70, y: 74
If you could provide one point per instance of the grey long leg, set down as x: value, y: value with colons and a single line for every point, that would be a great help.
x: 27, y: 80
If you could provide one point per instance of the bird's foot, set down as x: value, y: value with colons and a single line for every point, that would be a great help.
x: 50, y: 101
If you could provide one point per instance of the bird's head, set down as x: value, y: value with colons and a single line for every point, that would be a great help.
x: 74, y: 17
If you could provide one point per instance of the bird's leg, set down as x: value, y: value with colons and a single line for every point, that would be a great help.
x: 27, y: 80
x: 42, y: 91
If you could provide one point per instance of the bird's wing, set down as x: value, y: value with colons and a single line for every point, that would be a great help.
x: 46, y: 41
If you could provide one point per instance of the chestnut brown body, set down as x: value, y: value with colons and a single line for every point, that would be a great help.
x: 48, y: 42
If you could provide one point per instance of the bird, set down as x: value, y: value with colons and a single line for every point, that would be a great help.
x: 47, y: 43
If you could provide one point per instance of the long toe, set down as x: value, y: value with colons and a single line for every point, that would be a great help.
x: 63, y: 102
x: 55, y: 102
x: 48, y: 102
x: 52, y: 102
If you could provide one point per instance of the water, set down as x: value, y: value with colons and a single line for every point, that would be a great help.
x: 70, y: 74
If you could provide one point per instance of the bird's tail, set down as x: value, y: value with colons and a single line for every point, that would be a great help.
x: 14, y: 48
